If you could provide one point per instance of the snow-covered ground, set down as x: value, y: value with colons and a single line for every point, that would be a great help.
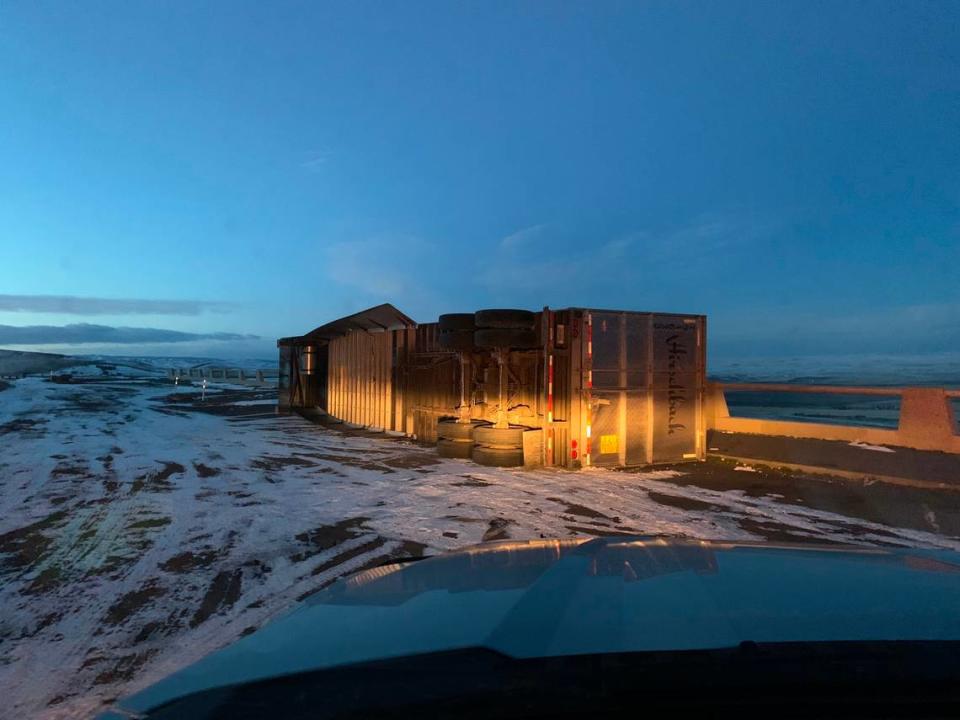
x: 141, y: 528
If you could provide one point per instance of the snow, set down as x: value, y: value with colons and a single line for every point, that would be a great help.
x: 141, y: 528
x: 745, y: 468
x: 875, y: 448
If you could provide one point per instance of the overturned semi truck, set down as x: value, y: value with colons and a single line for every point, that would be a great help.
x: 575, y: 387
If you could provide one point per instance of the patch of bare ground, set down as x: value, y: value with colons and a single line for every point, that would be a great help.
x: 681, y: 502
x: 159, y: 480
x: 205, y: 471
x: 355, y: 462
x: 154, y: 628
x: 348, y: 555
x: 133, y: 602
x: 583, y: 511
x: 405, y: 551
x: 409, y: 549
x: 147, y: 523
x: 223, y: 403
x: 597, y: 531
x: 412, y: 461
x: 65, y: 468
x: 497, y: 530
x: 188, y: 561
x: 276, y: 463
x: 325, y: 537
x: 880, y: 503
x: 27, y: 427
x: 462, y: 518
x: 88, y: 402
x: 221, y: 595
x: 125, y: 668
x: 26, y: 546
x: 776, y: 532
x: 471, y: 481
x: 45, y: 581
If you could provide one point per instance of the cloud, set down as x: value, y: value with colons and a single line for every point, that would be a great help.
x: 83, y: 333
x: 315, y: 161
x: 698, y: 243
x: 419, y: 277
x: 380, y: 267
x: 542, y: 257
x: 73, y: 305
x: 615, y: 249
x: 367, y: 266
x: 519, y: 261
x: 522, y: 237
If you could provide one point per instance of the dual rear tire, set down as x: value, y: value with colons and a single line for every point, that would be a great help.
x: 498, y: 447
x: 505, y: 329
x: 497, y: 457
x: 481, y: 442
x: 463, y: 332
x: 456, y: 332
x: 455, y: 439
x: 454, y: 449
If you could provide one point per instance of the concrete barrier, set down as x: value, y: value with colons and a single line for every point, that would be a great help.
x: 926, y: 420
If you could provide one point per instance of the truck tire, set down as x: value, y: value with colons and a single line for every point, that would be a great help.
x: 459, y: 340
x: 503, y: 438
x: 505, y: 319
x: 454, y: 449
x: 450, y: 429
x: 456, y: 321
x: 497, y: 457
x: 519, y: 338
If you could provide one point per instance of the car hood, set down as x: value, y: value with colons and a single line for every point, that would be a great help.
x: 567, y: 597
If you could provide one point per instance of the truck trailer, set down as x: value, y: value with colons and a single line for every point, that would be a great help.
x: 573, y: 387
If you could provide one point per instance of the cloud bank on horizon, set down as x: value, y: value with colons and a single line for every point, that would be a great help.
x: 86, y: 333
x: 74, y: 305
x: 101, y: 338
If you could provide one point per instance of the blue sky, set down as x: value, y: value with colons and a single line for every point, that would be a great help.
x: 792, y: 170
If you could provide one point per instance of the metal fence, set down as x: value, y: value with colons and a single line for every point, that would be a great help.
x: 236, y: 375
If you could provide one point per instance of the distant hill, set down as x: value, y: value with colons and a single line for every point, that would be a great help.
x: 15, y: 362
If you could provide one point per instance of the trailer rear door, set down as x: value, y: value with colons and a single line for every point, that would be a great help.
x: 645, y: 386
x: 619, y: 396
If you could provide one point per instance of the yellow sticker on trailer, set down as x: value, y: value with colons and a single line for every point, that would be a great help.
x: 608, y: 444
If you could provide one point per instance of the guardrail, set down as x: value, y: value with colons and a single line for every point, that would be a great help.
x: 226, y: 374
x: 926, y: 419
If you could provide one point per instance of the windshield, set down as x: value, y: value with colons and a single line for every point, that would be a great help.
x: 290, y: 291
